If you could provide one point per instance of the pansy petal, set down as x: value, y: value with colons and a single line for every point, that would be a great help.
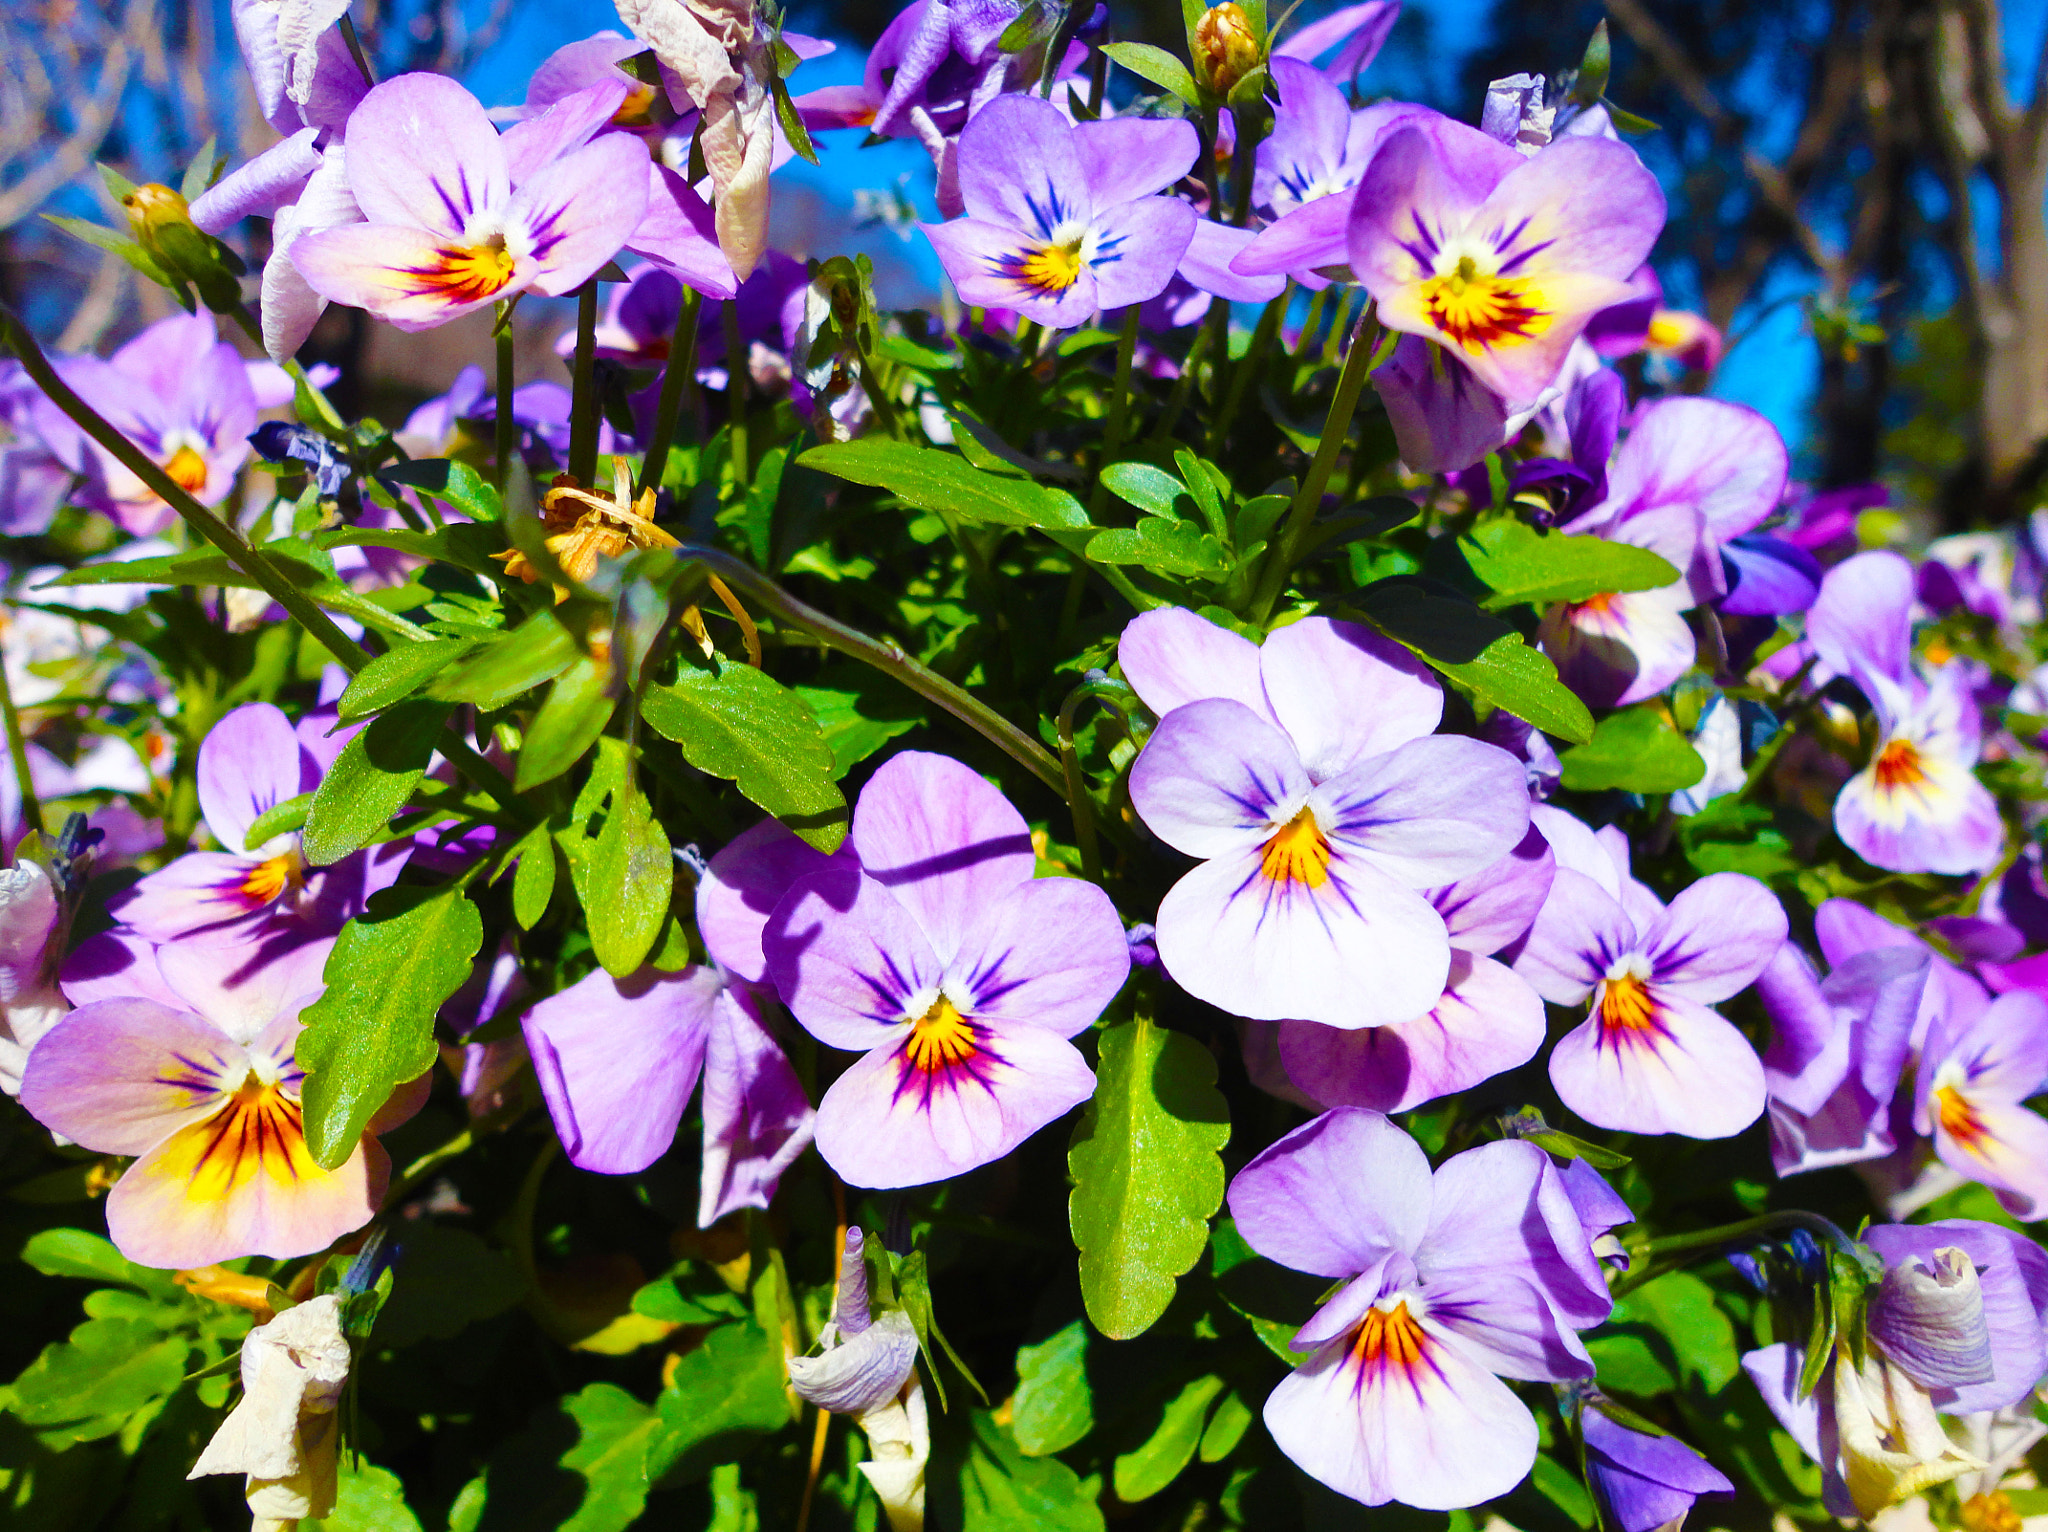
x: 1343, y: 693
x: 399, y: 274
x: 886, y: 1122
x: 1124, y: 158
x: 1311, y: 236
x: 1616, y: 650
x: 1213, y: 776
x: 1512, y: 1329
x: 259, y: 188
x: 1488, y: 1022
x: 1502, y: 1207
x: 617, y: 1060
x: 990, y: 266
x: 2012, y: 1273
x: 575, y: 214
x: 1437, y: 1434
x: 423, y: 155
x: 194, y: 1200
x: 1579, y: 934
x: 1861, y: 623
x: 244, y: 988
x: 1335, y: 1195
x: 202, y: 891
x: 1725, y: 460
x: 1272, y: 948
x: 945, y: 841
x: 1172, y: 656
x: 249, y: 763
x: 2002, y: 1052
x: 1049, y: 953
x: 116, y: 965
x: 566, y: 125
x: 1715, y: 937
x: 1137, y: 247
x: 849, y: 958
x: 1429, y: 812
x: 756, y: 1118
x: 742, y: 886
x: 1489, y: 909
x: 679, y: 234
x: 1689, y: 1071
x: 1206, y: 265
x: 1946, y: 821
x: 120, y: 1076
x: 2002, y: 1144
x: 1020, y: 167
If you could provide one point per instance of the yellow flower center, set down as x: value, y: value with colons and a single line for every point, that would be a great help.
x: 1625, y: 1004
x: 940, y: 1039
x: 187, y: 470
x: 1478, y: 310
x: 257, y: 1130
x: 1990, y: 1513
x: 1298, y: 853
x: 268, y: 880
x: 466, y: 273
x: 1898, y: 766
x: 1392, y: 1335
x: 1051, y: 268
x: 1959, y: 1120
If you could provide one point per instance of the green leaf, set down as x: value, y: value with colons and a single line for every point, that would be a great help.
x: 278, y: 819
x: 78, y: 1253
x: 1734, y: 835
x: 944, y: 481
x: 369, y: 1499
x: 1636, y: 751
x: 577, y: 708
x: 720, y: 1397
x: 535, y: 652
x: 88, y: 1385
x: 1520, y: 680
x: 1158, y: 66
x: 1682, y: 1308
x: 397, y: 674
x: 1053, y: 1408
x: 1278, y: 1301
x: 1594, y: 65
x: 450, y: 481
x: 738, y: 723
x: 1148, y: 1173
x: 612, y: 1432
x: 1563, y: 1489
x: 1003, y: 1490
x: 371, y: 780
x: 1163, y: 546
x: 1518, y: 564
x: 447, y: 1280
x: 914, y: 1290
x: 1157, y: 1461
x: 1148, y: 488
x: 533, y: 885
x: 372, y: 1030
x: 630, y: 881
x: 1226, y: 1427
x: 859, y: 710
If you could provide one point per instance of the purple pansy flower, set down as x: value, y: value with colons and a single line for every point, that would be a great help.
x: 1063, y: 218
x: 1500, y: 259
x: 1917, y: 807
x: 1304, y: 775
x: 1973, y: 1082
x: 1955, y: 1329
x: 1488, y: 1021
x: 249, y: 762
x: 617, y: 1060
x: 1361, y: 30
x: 29, y: 1000
x: 957, y: 974
x: 1652, y: 1057
x: 1444, y: 418
x: 1644, y: 1481
x: 458, y: 217
x: 182, y: 1055
x: 1452, y: 1281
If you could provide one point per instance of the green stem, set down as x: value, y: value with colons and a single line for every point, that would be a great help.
x: 1113, y: 694
x: 885, y: 655
x: 425, y: 1166
x: 1306, y: 341
x: 1747, y: 1229
x: 214, y: 529
x: 507, y: 434
x: 680, y: 369
x: 736, y: 396
x: 583, y: 401
x: 17, y: 752
x: 1254, y: 358
x: 355, y: 49
x: 1308, y: 499
x: 1119, y: 408
x: 1242, y: 156
x: 1182, y: 385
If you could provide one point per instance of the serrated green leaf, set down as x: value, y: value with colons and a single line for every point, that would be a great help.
x: 932, y: 480
x: 736, y: 722
x: 371, y: 780
x: 574, y: 714
x: 1636, y: 751
x: 1002, y: 1490
x: 1519, y: 564
x: 1158, y: 66
x: 1156, y: 1462
x: 372, y: 1030
x: 720, y: 1397
x: 397, y: 674
x: 451, y: 481
x: 1148, y: 1173
x: 1163, y: 546
x: 88, y: 1385
x: 1053, y: 1407
x: 532, y: 654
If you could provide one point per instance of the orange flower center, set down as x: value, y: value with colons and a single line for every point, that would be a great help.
x: 1625, y: 1004
x: 940, y: 1039
x: 1392, y: 1335
x: 268, y: 880
x: 257, y: 1130
x: 1477, y: 310
x: 1898, y: 765
x: 1959, y: 1120
x: 187, y: 470
x: 1298, y: 853
x: 465, y: 273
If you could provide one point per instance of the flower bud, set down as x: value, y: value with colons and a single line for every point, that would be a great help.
x: 1226, y: 49
x: 161, y: 222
